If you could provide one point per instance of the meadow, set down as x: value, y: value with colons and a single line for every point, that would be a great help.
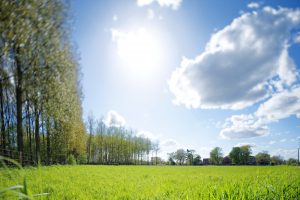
x: 156, y: 182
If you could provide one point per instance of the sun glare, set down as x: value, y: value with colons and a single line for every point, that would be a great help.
x: 139, y: 50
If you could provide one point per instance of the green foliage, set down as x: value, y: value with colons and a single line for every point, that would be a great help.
x: 276, y: 160
x: 171, y: 161
x: 82, y: 159
x: 180, y: 155
x: 41, y: 91
x: 197, y: 160
x: 71, y: 160
x: 216, y: 156
x: 292, y: 161
x: 263, y: 158
x: 241, y: 155
x: 117, y: 145
x: 161, y: 182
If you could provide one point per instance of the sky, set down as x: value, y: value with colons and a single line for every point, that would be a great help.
x: 194, y: 74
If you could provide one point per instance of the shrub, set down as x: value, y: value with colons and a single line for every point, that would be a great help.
x: 82, y: 159
x: 71, y: 160
x: 292, y: 161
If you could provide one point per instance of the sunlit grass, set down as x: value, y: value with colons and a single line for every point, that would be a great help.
x: 159, y: 182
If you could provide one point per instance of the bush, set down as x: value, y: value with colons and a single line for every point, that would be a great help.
x: 82, y: 159
x: 71, y: 160
x: 292, y: 161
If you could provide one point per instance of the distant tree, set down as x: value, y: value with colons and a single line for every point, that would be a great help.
x: 216, y: 156
x: 171, y: 161
x: 241, y: 155
x: 206, y: 161
x: 180, y: 156
x: 190, y: 156
x: 235, y: 155
x: 263, y: 158
x: 276, y: 160
x: 251, y: 160
x: 227, y: 160
x: 292, y: 161
x: 156, y: 148
x: 197, y: 160
x: 245, y: 154
x: 90, y: 123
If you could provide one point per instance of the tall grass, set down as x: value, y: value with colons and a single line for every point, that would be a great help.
x: 162, y: 182
x: 17, y: 191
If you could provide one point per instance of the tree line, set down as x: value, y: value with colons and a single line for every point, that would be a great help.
x: 117, y: 145
x: 40, y: 92
x: 238, y: 156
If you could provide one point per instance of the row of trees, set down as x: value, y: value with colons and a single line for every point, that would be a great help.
x: 40, y: 93
x: 242, y: 156
x: 181, y: 157
x: 117, y: 145
x: 238, y: 156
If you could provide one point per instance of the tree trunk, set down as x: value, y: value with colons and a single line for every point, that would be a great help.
x: 2, y: 118
x: 89, y: 148
x: 8, y: 120
x: 37, y: 135
x: 19, y: 104
x: 48, y: 142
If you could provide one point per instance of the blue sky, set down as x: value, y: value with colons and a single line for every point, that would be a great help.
x: 194, y: 74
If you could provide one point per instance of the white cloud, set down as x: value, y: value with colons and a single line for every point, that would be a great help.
x: 241, y: 64
x: 114, y: 119
x: 285, y: 153
x: 204, y: 151
x: 244, y: 144
x: 297, y: 38
x: 244, y: 132
x: 253, y: 5
x: 174, y: 4
x: 279, y: 106
x: 115, y: 18
x: 283, y: 140
x: 150, y: 14
x: 272, y: 142
x: 147, y: 134
x: 243, y: 126
x: 169, y: 142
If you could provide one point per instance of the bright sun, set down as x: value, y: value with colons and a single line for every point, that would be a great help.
x: 140, y: 50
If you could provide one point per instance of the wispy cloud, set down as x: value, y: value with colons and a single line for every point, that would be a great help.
x: 297, y: 38
x: 150, y: 14
x: 245, y: 144
x: 253, y: 5
x: 174, y: 4
x: 283, y: 140
x: 281, y: 105
x: 272, y: 142
x: 286, y: 153
x: 115, y: 18
x: 114, y: 119
x: 147, y: 134
x: 169, y: 142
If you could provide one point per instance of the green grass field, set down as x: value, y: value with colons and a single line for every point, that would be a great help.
x: 157, y: 182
